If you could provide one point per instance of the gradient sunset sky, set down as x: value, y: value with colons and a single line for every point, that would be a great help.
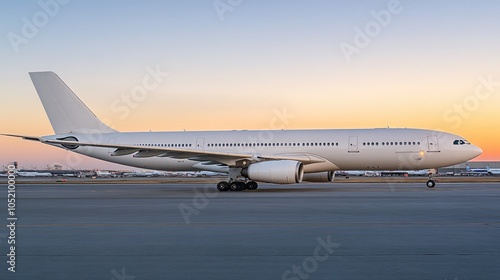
x: 235, y: 64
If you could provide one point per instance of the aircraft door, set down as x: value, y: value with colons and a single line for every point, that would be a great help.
x: 200, y: 142
x: 433, y: 143
x: 353, y: 144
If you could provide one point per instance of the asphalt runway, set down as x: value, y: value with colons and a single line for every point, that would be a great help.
x: 307, y: 231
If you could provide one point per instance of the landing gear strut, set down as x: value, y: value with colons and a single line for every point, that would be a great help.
x: 234, y: 186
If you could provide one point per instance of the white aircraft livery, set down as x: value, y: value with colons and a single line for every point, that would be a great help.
x: 248, y: 157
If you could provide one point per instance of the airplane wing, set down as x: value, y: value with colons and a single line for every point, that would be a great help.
x: 227, y: 158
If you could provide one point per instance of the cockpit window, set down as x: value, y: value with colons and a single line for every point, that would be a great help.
x: 461, y: 142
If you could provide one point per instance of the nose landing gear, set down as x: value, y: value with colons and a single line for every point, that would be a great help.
x: 430, y: 183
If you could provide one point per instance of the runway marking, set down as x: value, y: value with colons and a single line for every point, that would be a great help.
x: 273, y: 224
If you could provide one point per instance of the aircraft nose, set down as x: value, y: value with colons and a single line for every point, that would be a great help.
x: 475, y: 151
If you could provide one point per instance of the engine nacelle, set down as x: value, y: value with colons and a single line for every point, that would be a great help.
x: 319, y: 177
x: 275, y: 171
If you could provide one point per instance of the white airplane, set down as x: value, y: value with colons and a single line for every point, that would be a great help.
x: 475, y: 171
x: 283, y: 157
x: 99, y: 173
x: 348, y: 173
x: 493, y: 171
x: 372, y: 174
x: 423, y: 172
x: 143, y: 174
x: 33, y: 174
x: 208, y: 174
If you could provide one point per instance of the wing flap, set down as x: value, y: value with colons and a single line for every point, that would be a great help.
x: 124, y: 152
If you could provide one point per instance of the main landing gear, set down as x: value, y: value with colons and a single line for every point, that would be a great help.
x: 236, y: 186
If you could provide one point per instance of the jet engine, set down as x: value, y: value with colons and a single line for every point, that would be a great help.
x: 275, y: 171
x: 319, y: 177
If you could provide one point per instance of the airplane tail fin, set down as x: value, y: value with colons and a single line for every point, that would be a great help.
x: 66, y: 112
x: 467, y: 167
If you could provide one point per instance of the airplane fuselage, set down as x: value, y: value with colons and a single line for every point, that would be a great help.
x: 342, y: 149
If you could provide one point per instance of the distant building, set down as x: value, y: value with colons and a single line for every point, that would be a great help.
x: 458, y: 168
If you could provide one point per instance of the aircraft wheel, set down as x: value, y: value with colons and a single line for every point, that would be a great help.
x: 431, y: 184
x: 243, y: 186
x: 223, y: 186
x: 252, y: 185
x: 235, y: 186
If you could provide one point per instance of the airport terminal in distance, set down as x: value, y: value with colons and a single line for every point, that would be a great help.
x: 466, y: 169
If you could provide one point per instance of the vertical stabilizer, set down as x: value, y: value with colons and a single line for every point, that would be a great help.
x: 66, y: 112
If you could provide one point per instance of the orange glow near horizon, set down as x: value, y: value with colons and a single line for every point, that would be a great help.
x: 31, y: 154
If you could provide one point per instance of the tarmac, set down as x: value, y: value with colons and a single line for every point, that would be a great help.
x: 304, y: 231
